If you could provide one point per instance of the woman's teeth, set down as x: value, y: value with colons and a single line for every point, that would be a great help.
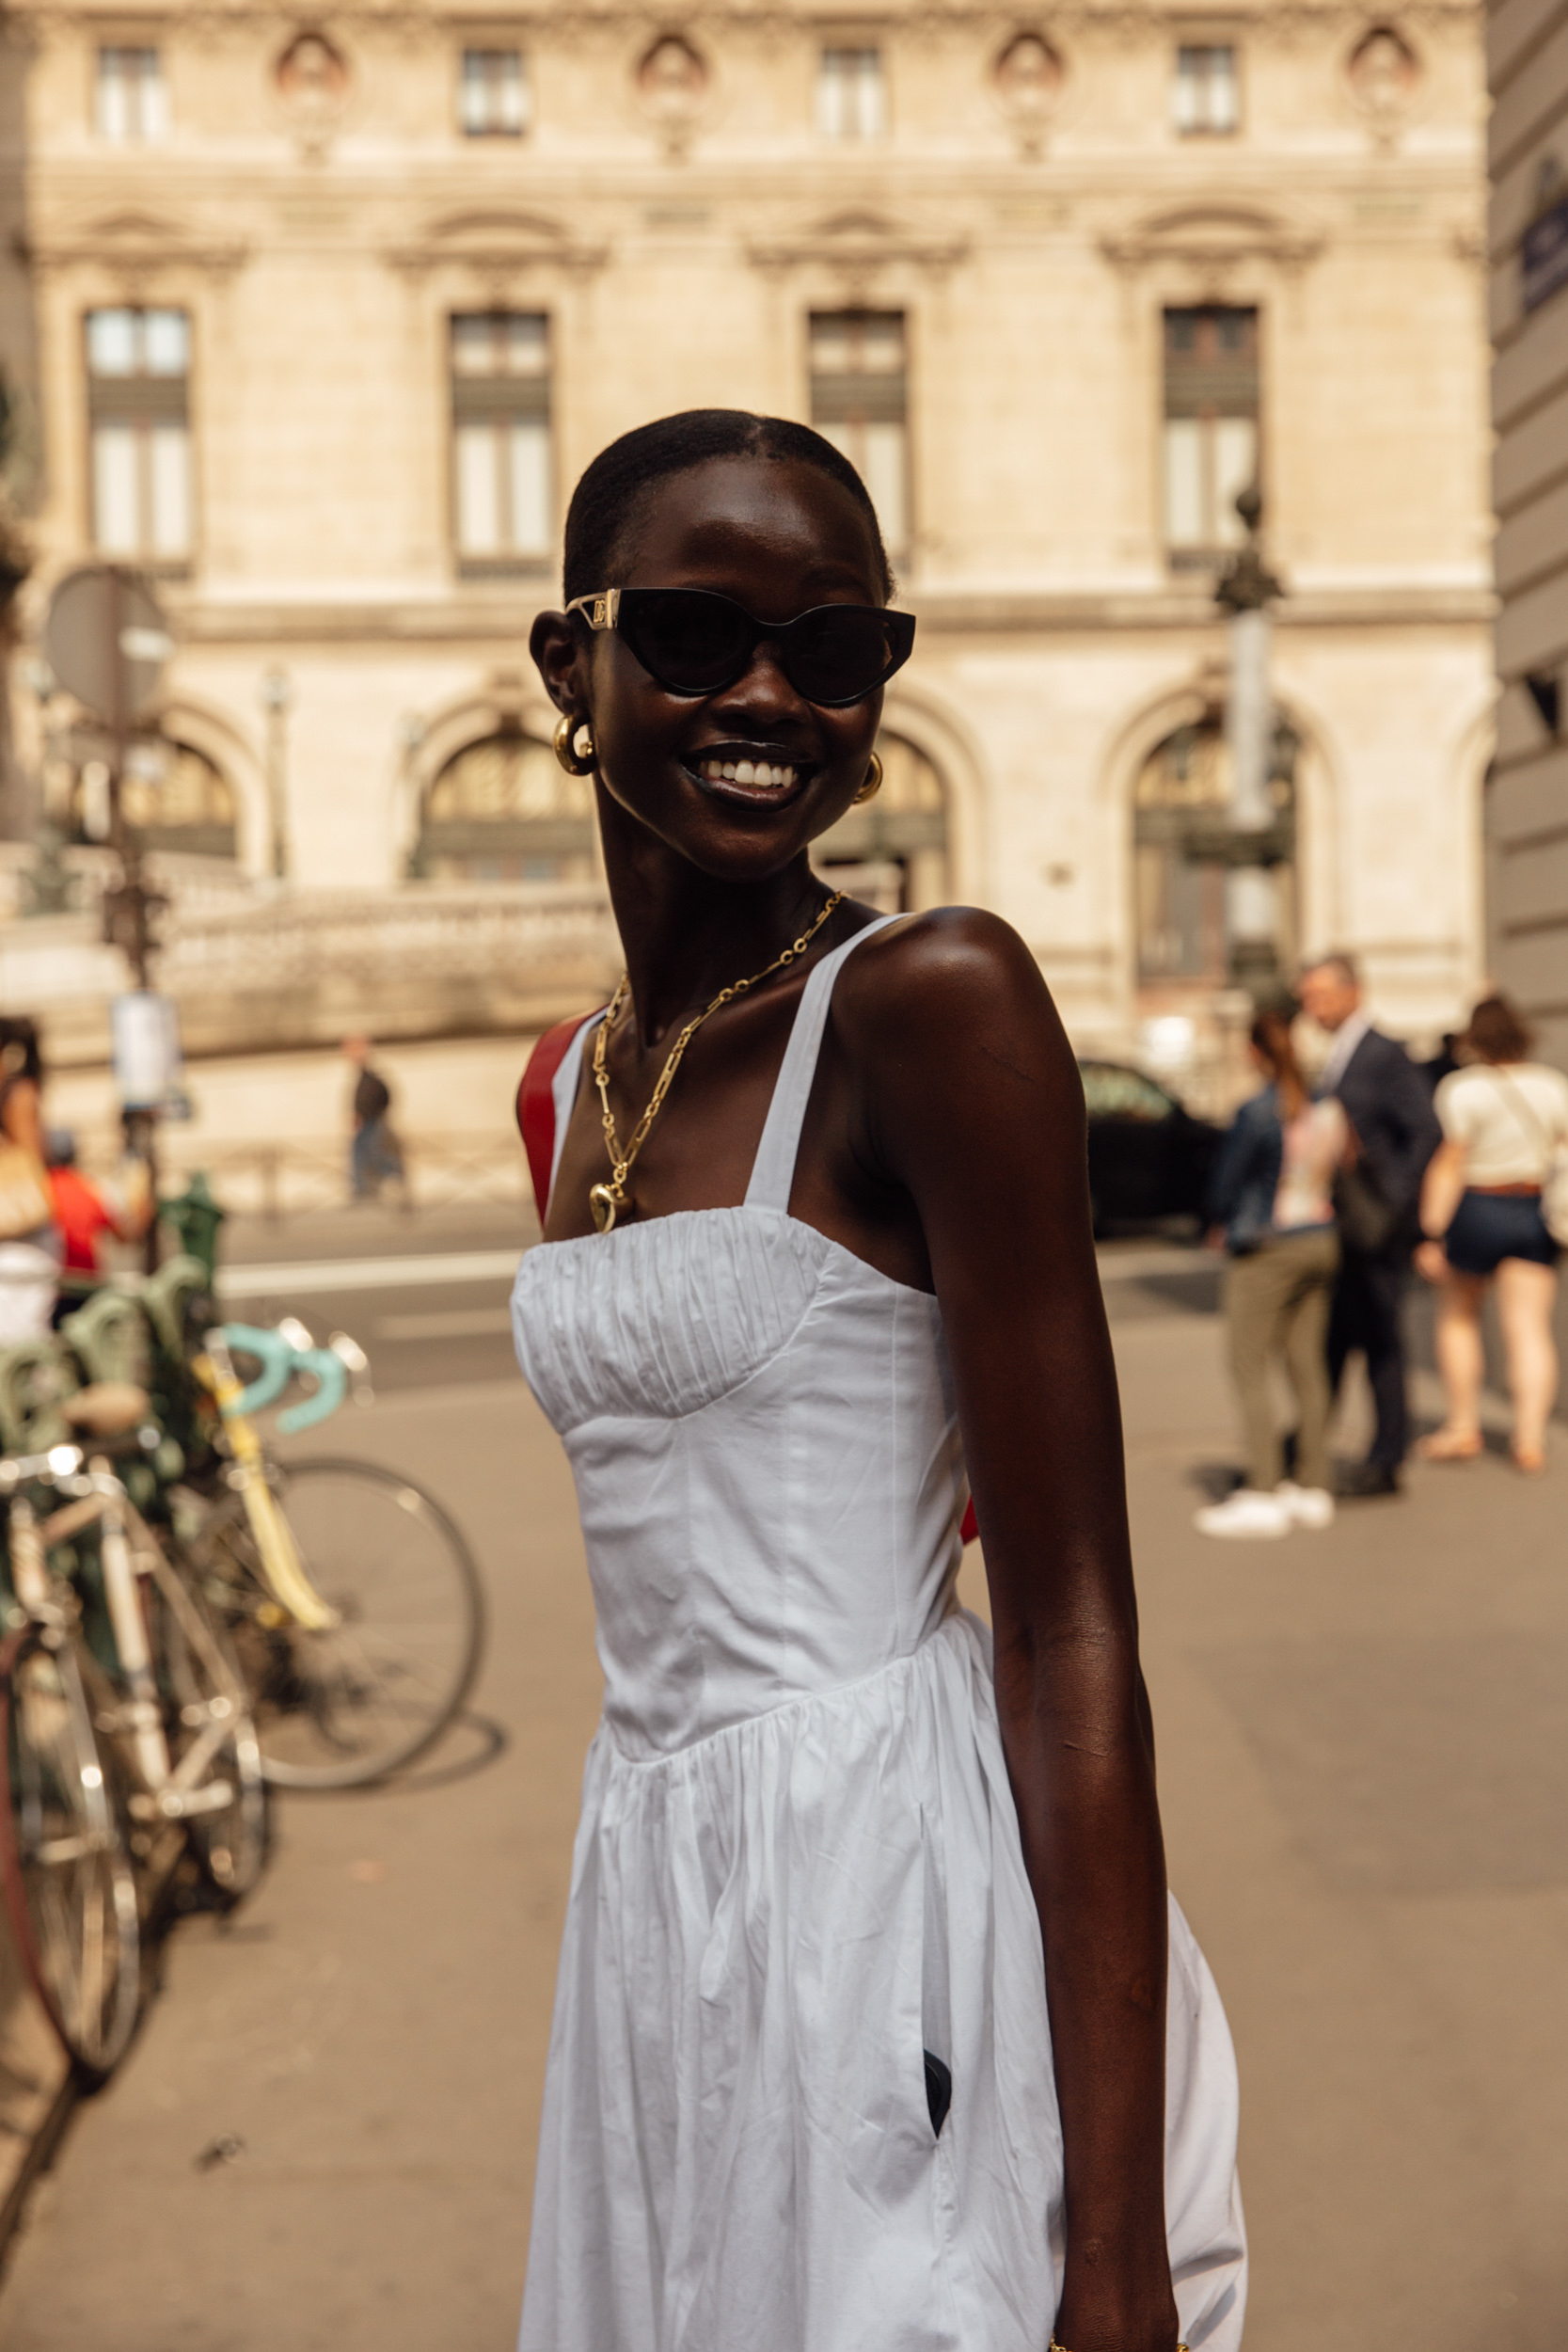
x: 746, y: 771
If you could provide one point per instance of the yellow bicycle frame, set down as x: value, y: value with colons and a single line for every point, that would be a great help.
x: 279, y: 1554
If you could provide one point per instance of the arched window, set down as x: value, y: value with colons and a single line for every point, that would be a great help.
x: 1180, y: 805
x: 505, y: 810
x: 171, y: 794
x: 893, y: 850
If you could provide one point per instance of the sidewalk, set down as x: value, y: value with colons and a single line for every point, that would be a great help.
x: 1364, y: 1752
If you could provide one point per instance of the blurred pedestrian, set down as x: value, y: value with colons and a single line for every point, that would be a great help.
x: 1505, y: 1129
x: 1395, y: 1131
x: 30, y: 1246
x: 376, y: 1157
x: 84, y: 1211
x: 1271, y: 1201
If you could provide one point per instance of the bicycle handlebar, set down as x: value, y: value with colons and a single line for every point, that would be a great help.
x: 281, y: 1364
x: 330, y: 1374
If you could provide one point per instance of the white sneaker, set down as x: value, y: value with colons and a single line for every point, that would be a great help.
x: 1246, y: 1513
x: 1307, y: 1506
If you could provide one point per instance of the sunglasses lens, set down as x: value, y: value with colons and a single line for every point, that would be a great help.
x: 685, y: 639
x: 840, y: 652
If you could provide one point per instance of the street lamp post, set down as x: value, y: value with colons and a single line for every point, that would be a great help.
x: 276, y: 696
x: 1245, y: 593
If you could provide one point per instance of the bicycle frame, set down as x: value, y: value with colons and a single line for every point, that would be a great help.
x: 291, y: 1589
x: 130, y: 1555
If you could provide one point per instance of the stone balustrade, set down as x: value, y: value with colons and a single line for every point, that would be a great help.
x: 260, y: 966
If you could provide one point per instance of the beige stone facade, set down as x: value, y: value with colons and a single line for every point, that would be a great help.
x: 1527, y: 804
x: 321, y: 321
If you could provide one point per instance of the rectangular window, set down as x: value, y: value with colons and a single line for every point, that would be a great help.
x: 138, y: 374
x: 851, y: 95
x: 1206, y: 100
x: 1210, y: 429
x: 132, y: 105
x: 492, y: 97
x: 859, y: 401
x: 502, y: 468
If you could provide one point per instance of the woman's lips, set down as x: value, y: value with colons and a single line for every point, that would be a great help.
x: 759, y: 779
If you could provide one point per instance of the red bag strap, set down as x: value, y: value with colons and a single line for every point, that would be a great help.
x: 971, y: 1527
x: 536, y: 1106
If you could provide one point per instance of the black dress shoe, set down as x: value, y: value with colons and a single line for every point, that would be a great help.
x: 1357, y: 1482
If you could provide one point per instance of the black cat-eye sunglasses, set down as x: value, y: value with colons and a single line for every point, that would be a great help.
x: 692, y: 641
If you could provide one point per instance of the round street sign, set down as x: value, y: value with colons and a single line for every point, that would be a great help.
x: 107, y: 641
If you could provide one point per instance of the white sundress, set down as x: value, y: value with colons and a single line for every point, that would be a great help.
x: 797, y: 1867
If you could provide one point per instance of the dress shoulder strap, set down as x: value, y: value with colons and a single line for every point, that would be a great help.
x: 773, y: 1173
x: 563, y: 1094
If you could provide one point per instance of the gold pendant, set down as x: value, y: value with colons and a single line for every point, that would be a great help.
x: 604, y: 1199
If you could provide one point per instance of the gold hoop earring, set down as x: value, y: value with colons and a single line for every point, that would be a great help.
x: 564, y: 745
x: 873, y: 783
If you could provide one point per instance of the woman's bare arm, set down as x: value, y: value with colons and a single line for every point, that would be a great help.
x: 975, y: 1106
x: 1441, y: 1187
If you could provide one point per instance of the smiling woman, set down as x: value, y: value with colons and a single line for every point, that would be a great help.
x: 869, y: 1975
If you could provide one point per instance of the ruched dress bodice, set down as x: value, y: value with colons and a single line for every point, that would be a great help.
x: 773, y: 1511
x: 798, y: 1872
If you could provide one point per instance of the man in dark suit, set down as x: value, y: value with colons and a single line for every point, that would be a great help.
x: 1389, y: 1106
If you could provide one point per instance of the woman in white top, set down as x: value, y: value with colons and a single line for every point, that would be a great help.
x: 1504, y: 1118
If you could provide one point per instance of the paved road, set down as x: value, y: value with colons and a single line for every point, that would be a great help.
x: 1364, y: 1758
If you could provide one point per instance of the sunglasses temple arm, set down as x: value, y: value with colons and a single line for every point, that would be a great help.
x: 600, y: 610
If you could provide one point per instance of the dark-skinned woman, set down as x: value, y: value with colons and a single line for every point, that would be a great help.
x: 873, y: 2027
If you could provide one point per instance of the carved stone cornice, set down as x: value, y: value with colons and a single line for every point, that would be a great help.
x: 856, y: 247
x: 495, y: 243
x: 129, y: 245
x: 1211, y: 238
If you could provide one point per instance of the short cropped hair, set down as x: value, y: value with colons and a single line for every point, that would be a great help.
x: 613, y: 495
x: 1344, y: 968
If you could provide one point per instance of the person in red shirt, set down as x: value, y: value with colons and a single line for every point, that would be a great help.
x: 80, y: 1211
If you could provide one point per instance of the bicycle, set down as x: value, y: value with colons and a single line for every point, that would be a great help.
x: 126, y: 1732
x: 353, y: 1601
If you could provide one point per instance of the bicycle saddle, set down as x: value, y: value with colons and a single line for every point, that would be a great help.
x: 107, y: 1408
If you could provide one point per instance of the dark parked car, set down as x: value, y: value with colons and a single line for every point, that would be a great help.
x: 1148, y: 1157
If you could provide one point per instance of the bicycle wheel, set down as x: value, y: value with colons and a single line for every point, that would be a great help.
x: 68, y: 1882
x: 211, y: 1734
x: 349, y: 1704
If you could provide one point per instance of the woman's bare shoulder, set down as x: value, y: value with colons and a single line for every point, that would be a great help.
x: 959, y: 989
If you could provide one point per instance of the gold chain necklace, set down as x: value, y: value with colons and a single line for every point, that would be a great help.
x: 608, y: 1201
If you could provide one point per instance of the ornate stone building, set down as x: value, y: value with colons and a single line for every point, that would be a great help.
x: 318, y: 320
x: 1528, y: 804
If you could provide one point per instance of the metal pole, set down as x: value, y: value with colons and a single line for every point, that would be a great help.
x: 1252, y: 913
x: 141, y: 1132
x: 277, y: 695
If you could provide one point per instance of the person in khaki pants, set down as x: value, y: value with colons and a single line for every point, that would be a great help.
x: 1274, y: 1213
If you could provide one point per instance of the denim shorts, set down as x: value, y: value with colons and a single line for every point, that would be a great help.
x: 1489, y: 1227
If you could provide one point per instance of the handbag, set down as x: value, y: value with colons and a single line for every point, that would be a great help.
x: 26, y: 1202
x: 1554, y: 1174
x: 1365, y: 1219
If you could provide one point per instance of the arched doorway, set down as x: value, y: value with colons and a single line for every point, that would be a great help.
x: 505, y: 810
x: 1180, y: 807
x: 171, y: 794
x: 893, y: 850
